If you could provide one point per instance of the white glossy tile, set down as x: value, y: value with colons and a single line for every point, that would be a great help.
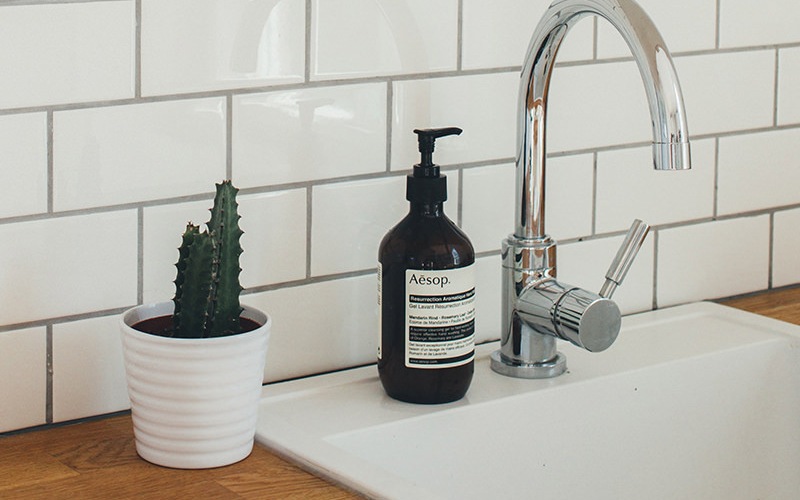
x: 307, y: 134
x: 484, y: 106
x: 125, y: 154
x: 786, y: 248
x: 23, y: 378
x: 628, y: 187
x: 359, y: 38
x: 705, y: 261
x: 68, y: 265
x: 788, y: 90
x: 568, y: 197
x: 496, y: 34
x: 488, y: 299
x: 584, y: 264
x: 274, y: 240
x: 766, y: 22
x: 714, y: 85
x: 320, y: 327
x: 23, y: 164
x: 489, y: 193
x: 350, y: 219
x: 685, y: 25
x: 88, y: 370
x: 191, y: 45
x: 596, y: 105
x: 758, y: 171
x: 63, y: 53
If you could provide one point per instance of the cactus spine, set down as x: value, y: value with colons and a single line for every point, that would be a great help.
x: 207, y: 284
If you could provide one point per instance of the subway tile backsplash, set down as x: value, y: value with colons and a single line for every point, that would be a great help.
x: 117, y: 116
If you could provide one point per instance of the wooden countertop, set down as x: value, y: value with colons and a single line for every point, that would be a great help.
x: 97, y: 459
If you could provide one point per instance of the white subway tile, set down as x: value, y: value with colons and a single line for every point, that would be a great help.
x: 597, y: 105
x: 497, y: 33
x: 628, y: 187
x: 758, y: 171
x: 125, y: 154
x: 359, y: 38
x: 320, y: 327
x: 785, y: 245
x: 484, y: 106
x: 88, y: 369
x: 766, y: 22
x: 68, y: 265
x: 315, y: 133
x: 788, y: 90
x: 191, y: 45
x: 684, y: 24
x: 715, y: 85
x: 489, y: 194
x: 584, y: 264
x: 23, y: 164
x: 63, y: 53
x: 274, y: 240
x: 712, y: 260
x: 350, y: 219
x: 23, y: 378
x: 488, y: 298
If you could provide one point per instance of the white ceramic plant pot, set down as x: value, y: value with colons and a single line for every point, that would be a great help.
x: 194, y: 402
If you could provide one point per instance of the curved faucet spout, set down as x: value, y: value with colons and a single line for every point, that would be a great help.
x: 670, y: 136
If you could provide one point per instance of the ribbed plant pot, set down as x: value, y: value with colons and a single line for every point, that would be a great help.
x: 194, y: 402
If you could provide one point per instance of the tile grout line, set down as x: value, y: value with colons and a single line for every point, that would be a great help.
x: 140, y: 255
x: 656, y: 236
x: 309, y: 208
x: 137, y: 55
x: 775, y: 89
x: 771, y: 250
x: 715, y: 194
x: 48, y: 404
x: 50, y: 162
x: 460, y: 36
x: 717, y: 25
x: 229, y: 136
x: 307, y: 41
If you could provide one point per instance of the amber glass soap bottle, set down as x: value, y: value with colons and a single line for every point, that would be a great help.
x: 426, y: 293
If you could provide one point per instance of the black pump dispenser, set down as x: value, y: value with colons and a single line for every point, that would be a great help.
x: 426, y: 185
x: 426, y: 292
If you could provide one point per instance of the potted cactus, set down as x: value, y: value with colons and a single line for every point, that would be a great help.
x: 195, y: 364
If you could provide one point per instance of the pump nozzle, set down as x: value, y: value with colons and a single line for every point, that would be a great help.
x: 427, y: 137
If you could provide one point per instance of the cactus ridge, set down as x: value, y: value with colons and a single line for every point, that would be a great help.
x: 207, y: 285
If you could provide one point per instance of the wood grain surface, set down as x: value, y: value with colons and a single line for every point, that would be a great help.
x: 97, y: 459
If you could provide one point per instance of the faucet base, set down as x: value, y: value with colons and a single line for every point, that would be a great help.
x: 544, y: 369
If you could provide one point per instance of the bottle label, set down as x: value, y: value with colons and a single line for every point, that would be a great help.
x: 440, y: 317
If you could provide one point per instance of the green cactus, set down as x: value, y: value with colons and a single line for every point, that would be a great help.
x: 207, y: 284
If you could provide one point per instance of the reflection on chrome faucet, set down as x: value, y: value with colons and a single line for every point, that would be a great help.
x: 538, y: 309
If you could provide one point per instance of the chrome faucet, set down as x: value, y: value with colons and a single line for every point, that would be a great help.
x: 537, y: 308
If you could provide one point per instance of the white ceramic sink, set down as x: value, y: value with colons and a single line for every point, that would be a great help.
x: 697, y: 401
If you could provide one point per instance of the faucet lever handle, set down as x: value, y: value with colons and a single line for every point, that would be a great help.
x: 624, y: 258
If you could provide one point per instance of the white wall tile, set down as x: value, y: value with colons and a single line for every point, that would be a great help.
x: 584, y: 264
x: 68, y: 265
x: 63, y: 53
x: 358, y: 38
x: 766, y: 22
x: 350, y: 219
x: 23, y: 374
x: 443, y: 102
x: 707, y: 261
x: 497, y: 33
x: 23, y: 164
x: 489, y: 193
x: 596, y: 105
x: 684, y: 24
x: 628, y: 187
x: 274, y: 240
x: 124, y: 154
x: 88, y: 369
x: 758, y: 171
x: 715, y: 85
x: 223, y: 44
x: 788, y: 90
x: 488, y: 298
x: 320, y: 327
x: 316, y: 133
x: 785, y: 246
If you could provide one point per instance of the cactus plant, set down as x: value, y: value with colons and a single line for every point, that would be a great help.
x: 207, y: 284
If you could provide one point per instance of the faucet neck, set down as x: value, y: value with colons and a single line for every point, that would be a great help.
x: 670, y: 137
